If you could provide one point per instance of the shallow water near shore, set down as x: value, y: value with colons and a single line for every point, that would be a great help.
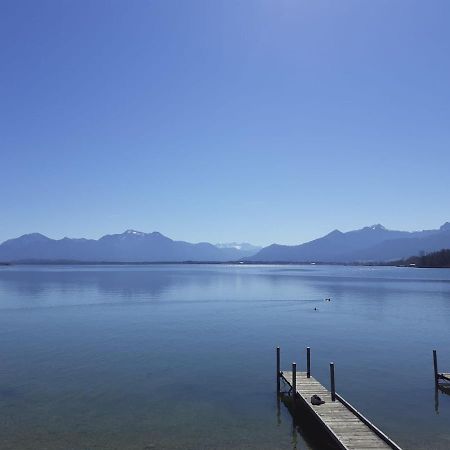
x: 182, y: 356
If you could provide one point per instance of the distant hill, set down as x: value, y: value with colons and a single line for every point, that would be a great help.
x: 369, y: 244
x: 130, y: 246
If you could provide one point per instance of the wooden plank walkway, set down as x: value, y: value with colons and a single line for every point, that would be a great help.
x: 346, y: 426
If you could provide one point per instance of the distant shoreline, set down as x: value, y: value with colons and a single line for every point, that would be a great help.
x: 141, y: 263
x: 236, y: 263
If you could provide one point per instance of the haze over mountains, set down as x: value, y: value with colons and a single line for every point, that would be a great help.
x: 369, y: 244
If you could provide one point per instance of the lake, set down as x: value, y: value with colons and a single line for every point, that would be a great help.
x: 182, y: 356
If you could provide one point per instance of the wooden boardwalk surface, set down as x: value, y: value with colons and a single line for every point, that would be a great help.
x: 345, y: 425
x: 445, y: 376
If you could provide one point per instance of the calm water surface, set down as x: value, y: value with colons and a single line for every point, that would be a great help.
x: 182, y: 356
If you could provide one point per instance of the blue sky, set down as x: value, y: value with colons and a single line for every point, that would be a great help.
x: 261, y: 121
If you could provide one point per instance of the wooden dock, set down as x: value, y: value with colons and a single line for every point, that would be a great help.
x: 439, y: 375
x: 347, y: 427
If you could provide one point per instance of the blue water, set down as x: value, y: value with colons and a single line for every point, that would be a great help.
x: 182, y: 356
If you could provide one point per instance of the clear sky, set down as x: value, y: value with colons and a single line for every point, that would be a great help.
x: 261, y: 121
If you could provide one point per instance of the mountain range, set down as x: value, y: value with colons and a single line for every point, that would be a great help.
x: 130, y: 246
x: 369, y: 244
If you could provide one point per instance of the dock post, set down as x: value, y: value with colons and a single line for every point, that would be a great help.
x: 308, y: 362
x: 436, y: 373
x: 333, y: 386
x: 278, y: 370
x: 294, y: 381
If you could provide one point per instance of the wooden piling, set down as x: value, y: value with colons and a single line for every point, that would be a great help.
x: 436, y: 373
x: 278, y: 370
x: 294, y: 381
x: 333, y: 385
x: 308, y: 362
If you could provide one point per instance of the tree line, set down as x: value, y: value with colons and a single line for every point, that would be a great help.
x: 434, y: 259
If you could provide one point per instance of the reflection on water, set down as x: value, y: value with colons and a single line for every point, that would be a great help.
x: 305, y: 428
x: 440, y: 389
x: 182, y: 356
